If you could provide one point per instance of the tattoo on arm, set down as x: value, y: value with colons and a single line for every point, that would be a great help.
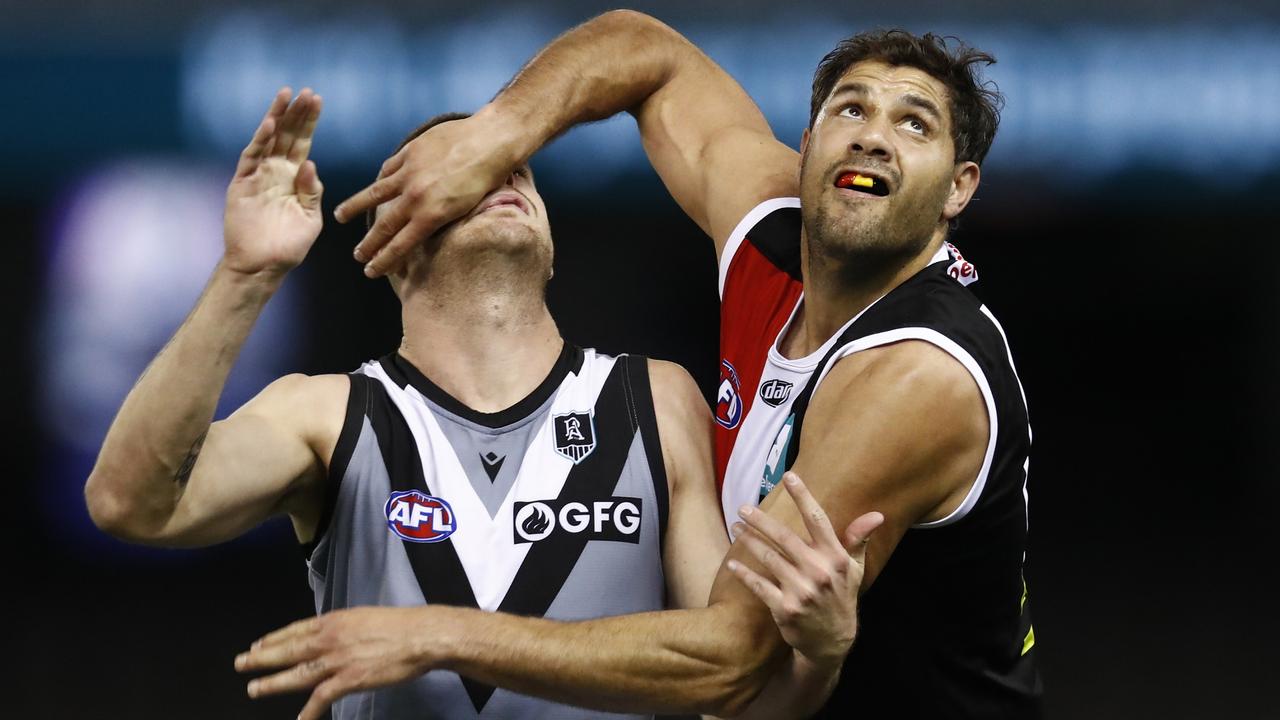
x: 189, y: 463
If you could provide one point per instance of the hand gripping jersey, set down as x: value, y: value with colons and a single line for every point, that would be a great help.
x: 945, y: 631
x: 555, y: 507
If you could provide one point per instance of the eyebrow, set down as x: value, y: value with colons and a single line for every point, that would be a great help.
x: 919, y: 102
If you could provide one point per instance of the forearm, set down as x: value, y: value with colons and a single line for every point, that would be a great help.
x: 607, y: 65
x: 799, y: 689
x: 152, y: 445
x: 705, y: 660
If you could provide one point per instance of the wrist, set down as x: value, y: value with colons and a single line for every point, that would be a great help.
x: 817, y: 667
x: 260, y: 282
x: 437, y: 647
x: 513, y: 128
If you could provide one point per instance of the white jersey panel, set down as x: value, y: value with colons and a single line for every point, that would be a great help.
x: 485, y: 544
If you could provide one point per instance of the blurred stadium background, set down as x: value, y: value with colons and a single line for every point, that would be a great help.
x: 1125, y: 233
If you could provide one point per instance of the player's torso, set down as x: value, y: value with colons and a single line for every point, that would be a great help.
x: 552, y: 508
x: 950, y: 609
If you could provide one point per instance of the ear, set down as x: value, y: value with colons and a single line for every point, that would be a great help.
x: 964, y: 183
x: 804, y: 148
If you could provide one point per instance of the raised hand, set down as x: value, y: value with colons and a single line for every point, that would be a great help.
x: 273, y: 202
x: 436, y: 178
x: 815, y: 598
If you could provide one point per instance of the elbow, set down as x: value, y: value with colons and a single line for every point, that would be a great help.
x: 645, y: 30
x: 112, y: 512
x: 106, y: 509
x: 629, y: 19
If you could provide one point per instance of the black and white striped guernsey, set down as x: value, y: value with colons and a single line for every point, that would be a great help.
x: 555, y: 507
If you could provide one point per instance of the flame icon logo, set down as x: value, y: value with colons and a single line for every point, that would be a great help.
x: 534, y: 522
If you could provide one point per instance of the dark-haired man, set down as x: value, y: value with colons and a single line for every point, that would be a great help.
x: 851, y: 351
x: 487, y: 463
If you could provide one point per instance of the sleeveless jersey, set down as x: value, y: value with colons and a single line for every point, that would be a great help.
x: 945, y: 630
x: 555, y: 507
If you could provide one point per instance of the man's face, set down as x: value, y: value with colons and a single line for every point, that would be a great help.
x: 511, y: 219
x: 889, y: 127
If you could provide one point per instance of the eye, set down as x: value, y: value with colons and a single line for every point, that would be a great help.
x: 853, y: 111
x: 915, y: 125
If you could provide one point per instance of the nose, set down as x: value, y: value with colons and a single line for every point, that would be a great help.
x: 872, y: 138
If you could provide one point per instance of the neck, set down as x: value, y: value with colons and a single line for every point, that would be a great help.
x: 483, y: 335
x: 836, y: 291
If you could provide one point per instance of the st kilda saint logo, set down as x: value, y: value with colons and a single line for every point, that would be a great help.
x: 418, y: 517
x: 616, y: 519
x: 575, y: 435
x: 775, y: 392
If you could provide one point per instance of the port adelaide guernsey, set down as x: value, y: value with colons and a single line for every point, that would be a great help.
x: 552, y: 508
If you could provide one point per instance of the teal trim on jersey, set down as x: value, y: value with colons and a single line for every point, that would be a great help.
x: 775, y: 463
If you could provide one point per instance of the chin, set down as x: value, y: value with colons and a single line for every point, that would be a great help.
x: 496, y: 235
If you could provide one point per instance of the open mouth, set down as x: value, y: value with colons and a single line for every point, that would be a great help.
x: 863, y: 183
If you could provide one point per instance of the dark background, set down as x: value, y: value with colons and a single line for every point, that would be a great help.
x: 1139, y: 302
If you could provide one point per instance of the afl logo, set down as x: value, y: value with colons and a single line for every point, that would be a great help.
x: 775, y: 392
x: 728, y: 397
x: 418, y: 517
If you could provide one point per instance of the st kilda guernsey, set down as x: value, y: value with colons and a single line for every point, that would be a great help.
x: 945, y: 631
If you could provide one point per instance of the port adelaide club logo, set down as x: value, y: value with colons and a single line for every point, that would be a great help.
x: 418, y: 517
x: 616, y: 519
x: 575, y: 435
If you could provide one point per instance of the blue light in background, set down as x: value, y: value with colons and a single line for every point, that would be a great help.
x: 131, y: 249
x: 1083, y: 101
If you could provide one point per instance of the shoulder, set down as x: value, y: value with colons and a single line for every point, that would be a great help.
x: 675, y: 395
x: 311, y: 406
x: 911, y: 379
x: 298, y: 392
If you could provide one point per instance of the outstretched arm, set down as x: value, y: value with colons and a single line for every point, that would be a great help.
x: 863, y: 448
x: 165, y: 475
x: 705, y: 137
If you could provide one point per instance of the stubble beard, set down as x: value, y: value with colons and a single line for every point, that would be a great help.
x: 857, y: 244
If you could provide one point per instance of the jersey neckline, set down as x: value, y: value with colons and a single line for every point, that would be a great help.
x: 403, y: 373
x: 810, y: 361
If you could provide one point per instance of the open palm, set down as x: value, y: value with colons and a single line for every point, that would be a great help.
x: 273, y: 202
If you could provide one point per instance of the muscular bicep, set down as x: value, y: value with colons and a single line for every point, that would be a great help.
x: 712, y: 146
x: 696, y: 540
x: 902, y: 430
x: 266, y: 458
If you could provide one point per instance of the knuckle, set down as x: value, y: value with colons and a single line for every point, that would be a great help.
x: 415, y: 193
x: 825, y: 579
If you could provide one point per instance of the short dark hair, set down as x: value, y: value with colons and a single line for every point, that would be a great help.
x: 974, y: 103
x: 369, y: 215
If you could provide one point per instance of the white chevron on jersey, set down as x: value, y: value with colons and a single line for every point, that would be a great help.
x: 485, y: 545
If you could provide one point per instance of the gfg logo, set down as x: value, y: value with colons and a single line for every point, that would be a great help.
x: 615, y: 520
x: 775, y: 392
x: 418, y: 517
